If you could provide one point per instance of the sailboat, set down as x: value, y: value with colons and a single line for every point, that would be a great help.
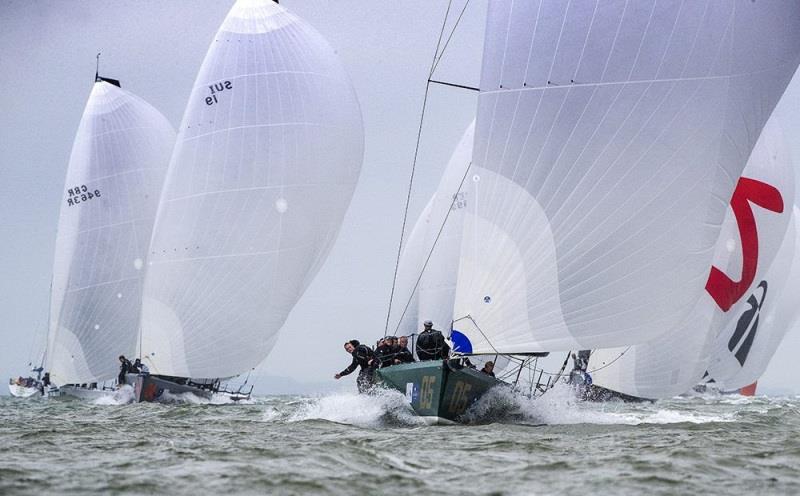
x: 753, y: 235
x: 115, y: 173
x: 607, y: 143
x: 266, y: 161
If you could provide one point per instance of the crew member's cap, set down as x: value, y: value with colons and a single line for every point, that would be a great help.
x: 427, y: 323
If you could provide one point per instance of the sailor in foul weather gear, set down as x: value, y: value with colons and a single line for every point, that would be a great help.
x: 488, y: 368
x: 387, y: 351
x: 143, y: 369
x: 140, y: 367
x: 580, y: 363
x: 431, y: 344
x: 124, y: 368
x: 403, y: 354
x: 363, y: 357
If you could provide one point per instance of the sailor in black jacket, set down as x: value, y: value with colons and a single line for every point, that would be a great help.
x: 431, y: 344
x: 404, y: 355
x: 387, y: 351
x: 364, y: 357
x: 124, y: 368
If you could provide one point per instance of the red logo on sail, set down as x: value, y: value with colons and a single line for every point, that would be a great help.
x: 722, y: 288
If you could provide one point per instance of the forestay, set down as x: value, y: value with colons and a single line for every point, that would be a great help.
x: 267, y: 158
x: 608, y: 140
x: 115, y: 173
x: 752, y: 233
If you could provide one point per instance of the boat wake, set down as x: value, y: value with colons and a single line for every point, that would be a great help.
x: 121, y: 396
x: 193, y: 399
x: 560, y: 406
x: 381, y: 408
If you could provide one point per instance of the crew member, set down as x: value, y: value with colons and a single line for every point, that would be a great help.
x: 142, y: 368
x: 488, y: 368
x: 431, y: 344
x: 403, y: 354
x: 364, y: 357
x: 580, y: 363
x: 124, y: 368
x: 386, y: 351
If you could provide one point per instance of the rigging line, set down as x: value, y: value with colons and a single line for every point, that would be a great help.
x: 454, y: 85
x: 609, y: 363
x: 450, y: 37
x: 430, y: 252
x: 413, y: 170
x: 482, y: 333
x: 439, y: 41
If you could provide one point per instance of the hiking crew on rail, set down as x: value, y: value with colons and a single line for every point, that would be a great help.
x: 392, y: 350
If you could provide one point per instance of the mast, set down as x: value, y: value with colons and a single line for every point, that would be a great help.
x: 98, y: 78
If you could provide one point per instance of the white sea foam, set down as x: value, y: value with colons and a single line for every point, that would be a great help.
x: 121, y: 396
x: 364, y: 410
x: 560, y: 406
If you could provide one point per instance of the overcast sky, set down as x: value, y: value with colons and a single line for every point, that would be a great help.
x: 155, y: 49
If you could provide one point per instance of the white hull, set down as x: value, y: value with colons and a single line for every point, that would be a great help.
x: 22, y: 391
x: 86, y: 393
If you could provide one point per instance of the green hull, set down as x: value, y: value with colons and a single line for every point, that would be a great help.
x: 437, y: 391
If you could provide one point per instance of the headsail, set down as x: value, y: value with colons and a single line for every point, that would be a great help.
x: 264, y: 168
x: 433, y: 297
x: 116, y: 170
x: 673, y: 363
x: 608, y: 140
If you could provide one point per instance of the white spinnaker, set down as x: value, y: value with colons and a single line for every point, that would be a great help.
x: 777, y: 315
x: 115, y: 174
x: 608, y: 139
x: 266, y: 161
x: 434, y: 296
x: 671, y: 364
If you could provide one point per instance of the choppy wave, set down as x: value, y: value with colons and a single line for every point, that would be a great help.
x: 373, y: 444
x: 121, y: 396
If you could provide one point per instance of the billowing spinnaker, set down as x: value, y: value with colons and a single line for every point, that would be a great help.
x: 742, y: 351
x: 264, y: 168
x: 608, y: 140
x: 673, y: 363
x: 434, y: 296
x: 115, y: 174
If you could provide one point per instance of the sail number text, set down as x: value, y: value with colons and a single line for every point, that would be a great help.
x: 217, y: 88
x: 80, y: 194
x: 460, y: 399
x: 426, y: 391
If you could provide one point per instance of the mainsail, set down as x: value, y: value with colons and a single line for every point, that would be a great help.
x: 609, y: 137
x: 266, y: 161
x: 751, y: 236
x: 115, y: 173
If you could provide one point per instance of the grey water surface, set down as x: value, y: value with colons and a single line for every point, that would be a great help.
x: 351, y: 444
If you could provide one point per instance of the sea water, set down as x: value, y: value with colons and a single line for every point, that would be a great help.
x: 359, y: 444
